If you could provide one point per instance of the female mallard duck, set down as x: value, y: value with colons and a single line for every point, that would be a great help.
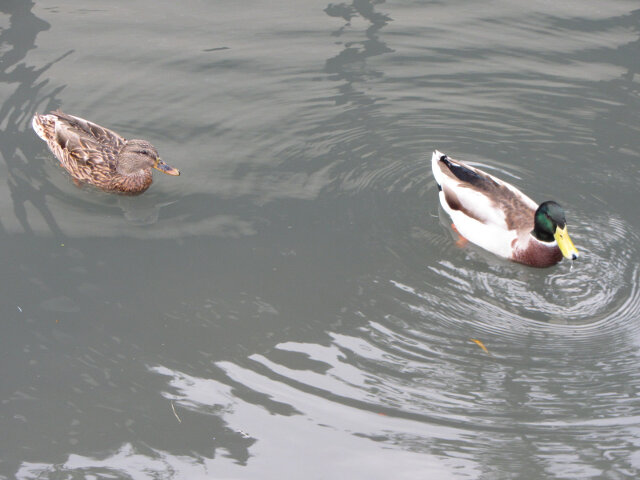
x: 96, y: 155
x: 500, y: 218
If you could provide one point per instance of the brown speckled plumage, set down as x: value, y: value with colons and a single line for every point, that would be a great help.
x: 98, y: 156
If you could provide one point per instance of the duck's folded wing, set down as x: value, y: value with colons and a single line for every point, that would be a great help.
x: 67, y: 124
x: 482, y: 196
x: 81, y: 150
x: 474, y: 204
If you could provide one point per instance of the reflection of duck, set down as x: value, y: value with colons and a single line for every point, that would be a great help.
x: 500, y: 218
x: 96, y: 155
x: 141, y: 211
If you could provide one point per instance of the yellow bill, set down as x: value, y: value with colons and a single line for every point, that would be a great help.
x: 565, y: 244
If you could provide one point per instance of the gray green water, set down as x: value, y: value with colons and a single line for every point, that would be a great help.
x: 294, y: 305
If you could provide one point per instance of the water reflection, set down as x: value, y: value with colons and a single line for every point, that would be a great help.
x: 27, y: 181
x: 393, y: 346
x: 350, y: 64
x: 614, y: 124
x: 26, y: 187
x: 39, y: 202
x: 321, y: 312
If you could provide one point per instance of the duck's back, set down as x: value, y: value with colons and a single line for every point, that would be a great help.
x: 67, y: 125
x: 482, y: 196
x: 78, y: 143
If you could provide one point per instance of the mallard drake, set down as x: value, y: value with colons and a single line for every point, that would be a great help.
x: 96, y: 155
x: 500, y: 218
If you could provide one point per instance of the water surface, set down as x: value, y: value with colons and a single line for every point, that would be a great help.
x: 294, y: 304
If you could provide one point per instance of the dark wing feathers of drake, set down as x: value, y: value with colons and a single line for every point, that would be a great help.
x: 517, y: 214
x: 467, y: 175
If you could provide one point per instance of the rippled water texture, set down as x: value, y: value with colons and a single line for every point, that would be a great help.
x: 294, y: 305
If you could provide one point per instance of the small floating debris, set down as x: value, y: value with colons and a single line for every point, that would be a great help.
x: 481, y: 345
x: 173, y: 407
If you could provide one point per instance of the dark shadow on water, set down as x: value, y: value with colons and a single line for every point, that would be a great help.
x: 350, y: 64
x: 26, y: 180
x: 50, y: 282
